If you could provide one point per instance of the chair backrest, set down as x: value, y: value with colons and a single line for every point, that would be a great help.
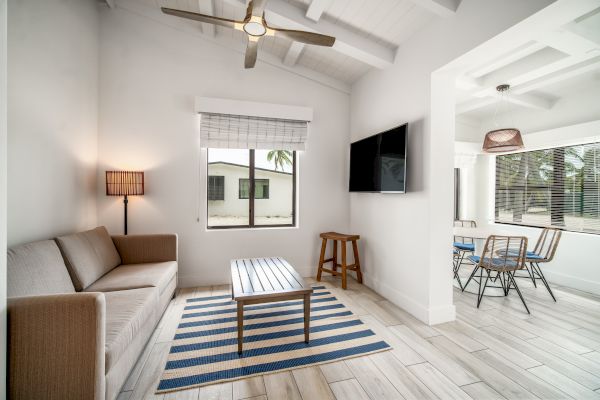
x: 547, y: 244
x: 504, y: 253
x: 464, y: 223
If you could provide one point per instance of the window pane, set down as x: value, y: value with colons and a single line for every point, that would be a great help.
x: 274, y: 187
x: 557, y: 187
x: 231, y: 165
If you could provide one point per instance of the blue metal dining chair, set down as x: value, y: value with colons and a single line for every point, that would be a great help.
x: 462, y: 246
x: 504, y: 255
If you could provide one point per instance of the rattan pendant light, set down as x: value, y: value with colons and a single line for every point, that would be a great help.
x: 504, y: 139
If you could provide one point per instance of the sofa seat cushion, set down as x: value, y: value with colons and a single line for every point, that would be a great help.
x: 126, y: 313
x: 133, y: 276
x: 88, y: 255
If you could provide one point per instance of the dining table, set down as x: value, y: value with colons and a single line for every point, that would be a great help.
x: 479, y: 235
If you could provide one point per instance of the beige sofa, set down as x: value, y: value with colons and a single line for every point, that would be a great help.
x: 81, y: 309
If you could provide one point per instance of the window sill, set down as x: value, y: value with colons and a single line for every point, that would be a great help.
x: 254, y: 228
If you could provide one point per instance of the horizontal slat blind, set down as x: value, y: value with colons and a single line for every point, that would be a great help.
x: 557, y: 187
x: 244, y: 132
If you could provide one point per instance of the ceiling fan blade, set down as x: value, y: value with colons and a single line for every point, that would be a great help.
x: 256, y: 8
x: 209, y: 19
x: 251, y: 53
x: 305, y: 37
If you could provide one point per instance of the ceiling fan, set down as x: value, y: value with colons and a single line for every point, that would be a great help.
x: 255, y: 27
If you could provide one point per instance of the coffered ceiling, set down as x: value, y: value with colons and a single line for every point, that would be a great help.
x: 368, y: 32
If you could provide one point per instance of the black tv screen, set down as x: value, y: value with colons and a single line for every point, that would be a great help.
x: 378, y: 163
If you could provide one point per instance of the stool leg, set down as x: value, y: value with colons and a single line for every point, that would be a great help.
x: 334, y: 255
x: 357, y: 261
x: 344, y: 263
x: 321, y: 259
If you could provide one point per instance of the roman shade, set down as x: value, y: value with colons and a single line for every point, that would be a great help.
x: 557, y: 187
x: 250, y: 132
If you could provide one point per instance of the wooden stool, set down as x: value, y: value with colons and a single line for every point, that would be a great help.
x: 344, y: 265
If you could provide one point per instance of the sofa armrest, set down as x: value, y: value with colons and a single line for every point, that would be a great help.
x: 137, y: 249
x: 56, y: 346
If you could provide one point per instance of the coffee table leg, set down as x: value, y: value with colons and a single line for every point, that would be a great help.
x: 306, y: 317
x: 240, y: 325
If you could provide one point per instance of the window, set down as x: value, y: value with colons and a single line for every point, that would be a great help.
x: 557, y: 187
x: 261, y: 189
x: 266, y: 188
x: 216, y: 187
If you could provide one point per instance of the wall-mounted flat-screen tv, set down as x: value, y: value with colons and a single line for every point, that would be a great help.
x: 378, y: 162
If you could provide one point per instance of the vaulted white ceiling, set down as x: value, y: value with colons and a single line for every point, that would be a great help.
x: 368, y: 32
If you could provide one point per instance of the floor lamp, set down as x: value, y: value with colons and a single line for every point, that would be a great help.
x: 125, y: 183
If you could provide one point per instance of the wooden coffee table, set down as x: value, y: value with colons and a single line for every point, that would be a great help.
x: 265, y: 280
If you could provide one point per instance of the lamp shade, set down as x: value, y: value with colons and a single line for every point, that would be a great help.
x: 124, y: 183
x: 502, y: 140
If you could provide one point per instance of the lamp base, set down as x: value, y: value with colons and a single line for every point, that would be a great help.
x: 125, y: 201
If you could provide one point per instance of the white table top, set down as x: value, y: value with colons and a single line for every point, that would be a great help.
x: 481, y: 233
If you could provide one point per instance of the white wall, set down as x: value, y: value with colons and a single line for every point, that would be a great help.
x: 576, y: 261
x: 149, y: 76
x: 53, y: 106
x: 3, y: 21
x: 403, y: 253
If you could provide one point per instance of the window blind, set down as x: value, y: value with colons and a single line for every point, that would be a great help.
x: 245, y: 132
x: 558, y: 187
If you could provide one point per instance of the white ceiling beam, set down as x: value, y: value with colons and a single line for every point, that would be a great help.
x: 293, y: 53
x: 208, y: 7
x: 474, y: 104
x: 559, y: 76
x: 442, y: 8
x: 279, y: 13
x: 512, y: 56
x: 568, y: 42
x: 316, y: 9
x: 314, y: 12
x: 530, y: 101
x: 523, y: 100
x: 111, y: 3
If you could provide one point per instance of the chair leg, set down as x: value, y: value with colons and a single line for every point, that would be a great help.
x: 535, y: 267
x: 481, y: 292
x: 344, y: 264
x: 512, y: 279
x: 357, y: 261
x: 457, y: 277
x: 321, y: 259
x: 334, y: 255
x: 470, y: 277
x: 531, y: 275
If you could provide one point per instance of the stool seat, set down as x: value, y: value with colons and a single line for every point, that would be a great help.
x: 342, y: 238
x: 339, y: 236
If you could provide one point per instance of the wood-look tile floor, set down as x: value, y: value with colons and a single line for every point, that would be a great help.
x: 494, y: 352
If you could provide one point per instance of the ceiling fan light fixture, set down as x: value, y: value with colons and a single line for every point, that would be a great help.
x: 255, y: 27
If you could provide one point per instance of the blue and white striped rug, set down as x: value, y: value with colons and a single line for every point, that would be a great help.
x: 204, y: 350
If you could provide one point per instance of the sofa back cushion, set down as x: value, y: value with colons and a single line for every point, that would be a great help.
x: 88, y: 255
x: 36, y: 269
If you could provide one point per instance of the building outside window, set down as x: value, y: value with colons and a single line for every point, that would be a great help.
x: 270, y: 173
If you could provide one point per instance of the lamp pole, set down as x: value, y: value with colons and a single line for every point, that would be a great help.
x: 125, y: 201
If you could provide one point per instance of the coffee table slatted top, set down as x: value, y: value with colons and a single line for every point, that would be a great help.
x: 265, y: 277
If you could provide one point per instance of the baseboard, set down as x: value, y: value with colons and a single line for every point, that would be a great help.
x: 430, y: 316
x: 574, y: 282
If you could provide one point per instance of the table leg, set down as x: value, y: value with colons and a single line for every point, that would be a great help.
x: 240, y: 325
x: 306, y: 318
